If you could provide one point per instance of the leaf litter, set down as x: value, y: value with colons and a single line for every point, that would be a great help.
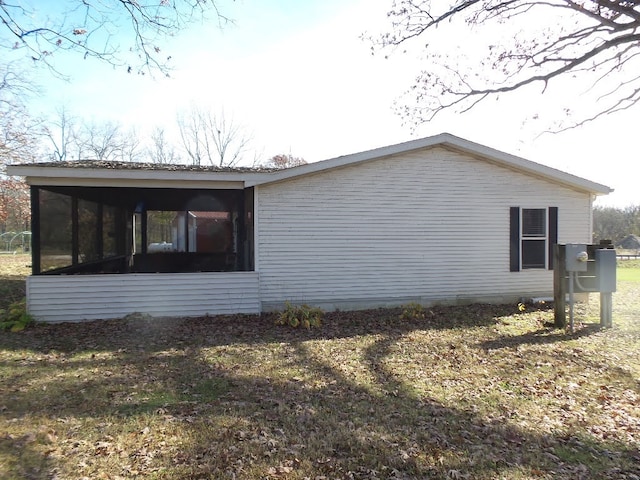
x: 478, y: 392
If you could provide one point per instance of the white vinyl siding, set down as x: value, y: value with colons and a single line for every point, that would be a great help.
x: 72, y: 298
x: 431, y: 225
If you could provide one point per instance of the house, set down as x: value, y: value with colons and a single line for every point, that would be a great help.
x: 630, y: 242
x: 439, y: 219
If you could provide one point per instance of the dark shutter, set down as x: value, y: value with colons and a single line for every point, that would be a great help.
x: 514, y: 239
x: 553, y: 233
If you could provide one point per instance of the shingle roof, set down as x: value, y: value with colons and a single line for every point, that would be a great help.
x: 115, y: 165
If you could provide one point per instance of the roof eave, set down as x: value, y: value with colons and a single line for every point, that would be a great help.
x: 43, y: 175
x: 521, y: 164
x: 445, y: 140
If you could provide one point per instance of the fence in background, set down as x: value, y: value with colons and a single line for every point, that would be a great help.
x: 14, y: 242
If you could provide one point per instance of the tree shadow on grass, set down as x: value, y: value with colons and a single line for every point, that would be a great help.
x: 314, y: 417
x: 18, y: 458
x: 318, y: 421
x: 542, y: 336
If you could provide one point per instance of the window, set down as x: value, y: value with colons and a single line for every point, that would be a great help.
x: 534, y: 238
x: 534, y: 231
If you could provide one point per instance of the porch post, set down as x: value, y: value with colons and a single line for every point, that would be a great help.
x: 35, y: 230
x: 75, y: 248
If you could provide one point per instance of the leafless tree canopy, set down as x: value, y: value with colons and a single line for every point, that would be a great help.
x: 161, y: 150
x: 212, y: 138
x: 285, y: 160
x: 126, y: 33
x: 18, y: 143
x: 593, y: 41
x: 18, y: 140
x: 68, y: 138
x: 61, y: 134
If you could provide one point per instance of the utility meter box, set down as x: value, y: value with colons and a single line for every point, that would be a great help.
x: 576, y: 257
x: 606, y: 270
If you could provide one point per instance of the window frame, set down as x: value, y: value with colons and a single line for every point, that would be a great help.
x: 525, y: 239
x: 516, y: 237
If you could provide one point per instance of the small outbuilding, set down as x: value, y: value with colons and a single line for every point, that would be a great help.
x: 439, y: 219
x: 630, y: 242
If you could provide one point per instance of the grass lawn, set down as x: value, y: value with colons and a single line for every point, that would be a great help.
x: 476, y: 392
x: 13, y: 270
x: 628, y: 274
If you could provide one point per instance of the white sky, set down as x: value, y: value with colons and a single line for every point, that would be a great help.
x: 298, y: 76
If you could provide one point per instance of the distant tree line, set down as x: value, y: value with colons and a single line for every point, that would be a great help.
x: 610, y: 223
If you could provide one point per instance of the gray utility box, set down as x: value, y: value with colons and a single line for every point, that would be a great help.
x: 605, y: 270
x: 580, y: 268
x: 573, y: 252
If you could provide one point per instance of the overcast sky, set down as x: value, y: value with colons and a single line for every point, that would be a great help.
x: 298, y: 75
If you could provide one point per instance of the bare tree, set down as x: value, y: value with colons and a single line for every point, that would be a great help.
x: 591, y: 40
x: 18, y: 143
x: 106, y: 141
x: 61, y: 134
x: 284, y: 160
x: 15, y: 87
x: 94, y: 29
x: 191, y: 131
x: 131, y: 146
x: 102, y: 141
x: 210, y: 138
x: 18, y: 131
x: 161, y: 151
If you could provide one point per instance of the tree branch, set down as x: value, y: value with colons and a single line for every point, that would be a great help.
x: 597, y: 37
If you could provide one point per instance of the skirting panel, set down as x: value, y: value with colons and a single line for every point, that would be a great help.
x: 74, y: 298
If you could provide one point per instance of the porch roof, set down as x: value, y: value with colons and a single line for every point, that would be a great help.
x: 99, y: 173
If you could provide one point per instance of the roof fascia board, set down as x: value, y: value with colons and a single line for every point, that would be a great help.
x: 451, y: 142
x: 349, y: 160
x: 132, y: 183
x: 523, y: 165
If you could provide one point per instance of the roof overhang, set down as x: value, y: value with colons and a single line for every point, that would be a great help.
x: 70, y: 175
x: 450, y: 142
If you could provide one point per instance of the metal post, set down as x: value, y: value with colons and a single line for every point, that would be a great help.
x: 571, y: 274
x: 606, y: 309
x: 559, y: 286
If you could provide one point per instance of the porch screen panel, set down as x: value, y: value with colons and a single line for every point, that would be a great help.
x: 212, y: 232
x: 110, y: 231
x: 88, y: 241
x: 165, y: 231
x: 56, y: 230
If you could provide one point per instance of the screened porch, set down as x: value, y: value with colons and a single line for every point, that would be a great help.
x: 111, y: 230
